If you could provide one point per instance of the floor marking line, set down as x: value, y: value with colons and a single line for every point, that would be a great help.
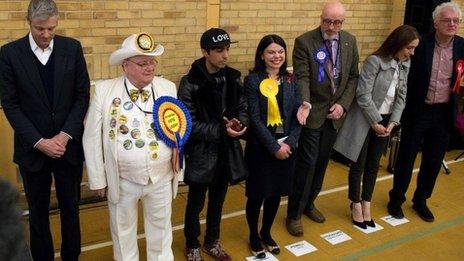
x: 405, y: 239
x: 242, y: 212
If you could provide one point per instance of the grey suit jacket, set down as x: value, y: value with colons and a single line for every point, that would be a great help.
x: 373, y: 85
x: 319, y: 94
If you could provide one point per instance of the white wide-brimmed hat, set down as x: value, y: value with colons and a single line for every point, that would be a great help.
x: 136, y: 44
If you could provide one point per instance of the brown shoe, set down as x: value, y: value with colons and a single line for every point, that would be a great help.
x: 294, y: 227
x: 315, y: 215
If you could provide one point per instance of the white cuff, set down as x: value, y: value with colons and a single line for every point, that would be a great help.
x: 37, y: 143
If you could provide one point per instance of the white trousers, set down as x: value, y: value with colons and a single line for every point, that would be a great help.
x: 156, y: 200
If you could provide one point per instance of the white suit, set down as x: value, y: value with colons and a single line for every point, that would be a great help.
x: 102, y: 167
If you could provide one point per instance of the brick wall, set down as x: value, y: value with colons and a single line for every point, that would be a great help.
x: 249, y: 21
x: 102, y: 25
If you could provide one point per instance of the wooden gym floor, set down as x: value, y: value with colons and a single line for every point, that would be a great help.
x: 419, y: 240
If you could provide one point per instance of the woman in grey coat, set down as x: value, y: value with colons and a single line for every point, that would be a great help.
x: 380, y: 98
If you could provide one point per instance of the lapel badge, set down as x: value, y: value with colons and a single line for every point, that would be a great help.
x: 128, y: 105
x: 127, y: 144
x: 139, y: 143
x: 116, y: 101
x: 153, y: 145
x: 136, y: 134
x: 111, y: 134
x: 123, y: 129
x: 113, y: 123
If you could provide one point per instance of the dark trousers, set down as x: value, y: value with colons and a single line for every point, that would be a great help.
x: 196, y: 200
x: 431, y: 130
x: 314, y: 149
x: 367, y: 166
x: 37, y: 187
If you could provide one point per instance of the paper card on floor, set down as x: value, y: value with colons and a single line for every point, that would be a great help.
x: 369, y: 229
x: 301, y: 248
x: 269, y: 257
x: 336, y: 237
x: 395, y: 221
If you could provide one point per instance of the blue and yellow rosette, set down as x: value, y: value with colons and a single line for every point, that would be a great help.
x: 173, y: 123
x: 269, y: 89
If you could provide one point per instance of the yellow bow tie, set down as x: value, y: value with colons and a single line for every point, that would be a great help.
x: 144, y: 95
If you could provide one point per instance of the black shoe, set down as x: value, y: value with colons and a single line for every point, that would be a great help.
x: 395, y: 210
x: 361, y: 224
x: 260, y: 254
x: 424, y: 212
x: 369, y: 223
x: 257, y: 249
x: 270, y: 244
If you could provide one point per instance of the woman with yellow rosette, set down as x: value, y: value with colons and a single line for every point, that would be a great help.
x: 273, y: 101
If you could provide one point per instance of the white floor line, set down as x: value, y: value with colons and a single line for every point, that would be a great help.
x: 242, y: 212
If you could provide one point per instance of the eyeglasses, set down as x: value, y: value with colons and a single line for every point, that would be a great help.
x: 145, y: 65
x: 449, y: 20
x: 328, y: 22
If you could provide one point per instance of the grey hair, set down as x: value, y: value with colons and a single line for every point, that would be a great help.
x: 41, y: 9
x: 447, y: 5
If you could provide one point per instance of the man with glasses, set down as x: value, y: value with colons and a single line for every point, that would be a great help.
x: 430, y: 112
x: 125, y: 159
x: 325, y: 63
x: 44, y: 90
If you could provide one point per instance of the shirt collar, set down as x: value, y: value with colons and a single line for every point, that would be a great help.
x: 34, y: 45
x: 446, y: 45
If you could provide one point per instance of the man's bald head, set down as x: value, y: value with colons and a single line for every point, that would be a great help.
x: 333, y: 8
x: 332, y: 17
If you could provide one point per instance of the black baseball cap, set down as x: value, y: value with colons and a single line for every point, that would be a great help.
x: 215, y: 37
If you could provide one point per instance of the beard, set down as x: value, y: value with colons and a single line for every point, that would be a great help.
x: 329, y: 37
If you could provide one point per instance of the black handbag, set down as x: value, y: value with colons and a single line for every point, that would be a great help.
x: 235, y: 164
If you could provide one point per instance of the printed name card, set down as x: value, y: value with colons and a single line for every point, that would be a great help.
x: 336, y: 237
x: 395, y: 221
x: 301, y: 248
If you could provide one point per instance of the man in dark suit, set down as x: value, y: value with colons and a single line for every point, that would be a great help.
x: 44, y: 90
x: 325, y: 62
x: 430, y: 111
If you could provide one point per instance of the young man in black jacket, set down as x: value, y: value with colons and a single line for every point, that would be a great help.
x: 213, y: 93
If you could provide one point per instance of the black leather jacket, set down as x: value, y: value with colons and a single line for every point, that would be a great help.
x: 208, y: 140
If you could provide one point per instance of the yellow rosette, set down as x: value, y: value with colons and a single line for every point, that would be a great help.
x: 173, y: 123
x: 269, y: 88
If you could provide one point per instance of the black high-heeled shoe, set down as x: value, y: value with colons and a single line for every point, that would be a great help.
x: 370, y: 223
x: 260, y: 254
x: 256, y: 248
x: 270, y: 245
x: 357, y: 223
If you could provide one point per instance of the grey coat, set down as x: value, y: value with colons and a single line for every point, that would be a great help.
x: 373, y: 84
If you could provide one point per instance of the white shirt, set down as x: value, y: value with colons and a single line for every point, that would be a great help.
x: 136, y: 164
x: 387, y: 104
x: 42, y: 55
